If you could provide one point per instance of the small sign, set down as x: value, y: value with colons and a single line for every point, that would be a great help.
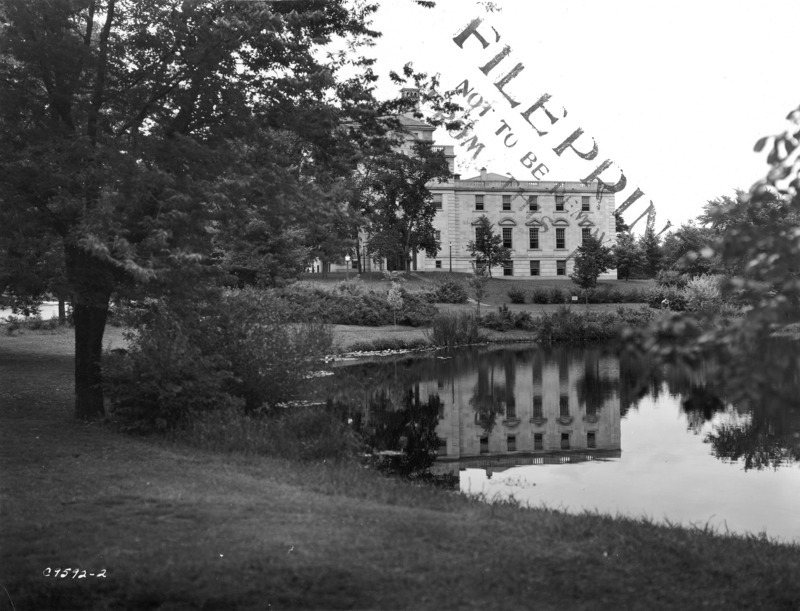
x: 574, y: 298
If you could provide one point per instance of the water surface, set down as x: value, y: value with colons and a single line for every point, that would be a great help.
x: 581, y: 429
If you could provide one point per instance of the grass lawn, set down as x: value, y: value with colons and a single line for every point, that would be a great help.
x: 178, y: 528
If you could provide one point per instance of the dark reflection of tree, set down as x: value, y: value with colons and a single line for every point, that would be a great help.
x: 487, y: 397
x: 638, y: 377
x: 764, y: 384
x: 757, y: 444
x: 409, y: 428
x: 593, y: 388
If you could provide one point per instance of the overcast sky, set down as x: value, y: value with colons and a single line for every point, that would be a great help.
x: 674, y: 93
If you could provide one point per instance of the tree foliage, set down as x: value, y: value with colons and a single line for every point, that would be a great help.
x: 148, y: 144
x: 759, y: 242
x: 591, y: 260
x: 401, y: 210
x: 487, y: 247
x: 650, y: 245
x: 628, y: 256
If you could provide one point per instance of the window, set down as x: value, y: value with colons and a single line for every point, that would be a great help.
x: 538, y: 441
x: 591, y: 440
x: 537, y: 406
x: 565, y: 441
x: 534, y: 268
x: 561, y: 267
x: 533, y: 203
x: 561, y: 241
x: 442, y: 450
x: 585, y: 234
x: 437, y: 201
x: 438, y: 265
x: 559, y: 203
x: 479, y: 202
x: 508, y: 268
x: 511, y: 441
x: 438, y: 236
x: 563, y: 406
x: 585, y: 203
x: 506, y: 202
x: 484, y: 445
x: 507, y: 243
x: 533, y: 235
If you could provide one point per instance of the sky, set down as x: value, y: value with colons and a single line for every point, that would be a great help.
x: 675, y: 93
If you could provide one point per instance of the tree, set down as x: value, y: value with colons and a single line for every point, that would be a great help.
x: 591, y: 260
x: 138, y: 139
x: 689, y: 249
x: 628, y: 257
x: 401, y: 212
x: 477, y: 283
x: 650, y: 245
x: 487, y: 247
x: 764, y: 259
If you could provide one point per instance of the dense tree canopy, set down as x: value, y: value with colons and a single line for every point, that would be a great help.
x: 591, y: 260
x: 145, y: 141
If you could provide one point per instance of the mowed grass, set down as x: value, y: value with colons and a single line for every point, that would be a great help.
x: 177, y: 528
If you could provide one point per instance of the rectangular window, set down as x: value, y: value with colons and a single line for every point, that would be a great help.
x: 585, y: 234
x: 561, y: 267
x: 438, y: 236
x: 533, y: 203
x: 538, y: 441
x: 438, y: 265
x: 511, y: 440
x: 506, y: 202
x: 591, y: 440
x: 561, y: 240
x: 534, y: 268
x: 437, y: 201
x: 507, y: 243
x: 484, y: 445
x: 479, y: 202
x: 442, y: 450
x: 565, y: 441
x: 585, y: 203
x: 563, y: 406
x: 533, y: 235
x: 508, y: 268
x: 559, y: 203
x: 537, y: 406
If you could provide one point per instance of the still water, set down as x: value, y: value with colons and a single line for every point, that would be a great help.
x: 582, y: 429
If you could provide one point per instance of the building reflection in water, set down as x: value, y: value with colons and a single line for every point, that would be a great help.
x: 526, y: 406
x: 498, y: 406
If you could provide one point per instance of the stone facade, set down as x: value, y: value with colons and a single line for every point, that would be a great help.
x: 542, y: 222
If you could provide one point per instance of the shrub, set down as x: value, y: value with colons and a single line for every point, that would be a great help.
x: 671, y: 278
x: 556, y: 295
x: 516, y: 294
x: 540, y: 295
x: 504, y: 320
x: 225, y: 353
x: 566, y: 326
x: 449, y: 291
x: 416, y: 310
x: 703, y: 292
x: 676, y: 298
x: 454, y: 330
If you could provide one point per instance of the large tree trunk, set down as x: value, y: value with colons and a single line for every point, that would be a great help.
x: 91, y: 281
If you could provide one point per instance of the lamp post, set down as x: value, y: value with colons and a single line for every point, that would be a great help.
x: 451, y: 257
x: 347, y: 263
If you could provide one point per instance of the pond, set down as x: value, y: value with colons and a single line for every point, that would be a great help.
x: 580, y: 429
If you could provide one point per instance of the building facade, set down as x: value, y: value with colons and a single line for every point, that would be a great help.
x: 541, y: 222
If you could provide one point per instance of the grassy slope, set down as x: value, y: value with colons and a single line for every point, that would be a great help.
x: 177, y: 528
